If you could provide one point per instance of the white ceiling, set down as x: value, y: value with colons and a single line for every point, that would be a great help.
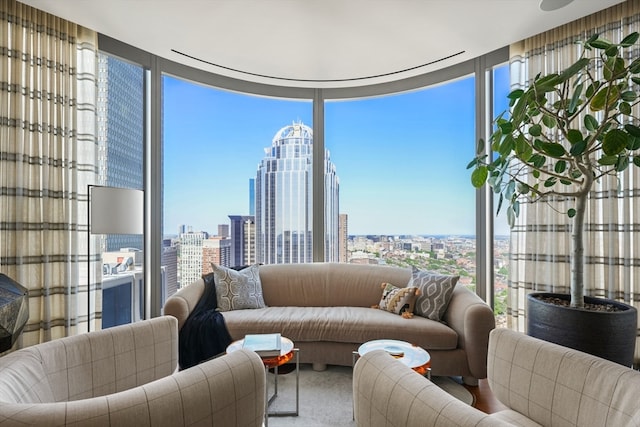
x: 319, y: 43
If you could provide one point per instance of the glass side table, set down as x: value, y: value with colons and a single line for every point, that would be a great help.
x: 416, y: 358
x: 287, y: 352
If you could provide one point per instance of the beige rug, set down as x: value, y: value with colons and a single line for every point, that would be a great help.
x: 326, y: 396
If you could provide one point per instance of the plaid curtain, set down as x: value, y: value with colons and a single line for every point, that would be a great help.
x: 541, y: 240
x: 47, y: 160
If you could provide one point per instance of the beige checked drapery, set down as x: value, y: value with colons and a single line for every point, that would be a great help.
x: 47, y: 159
x: 541, y: 238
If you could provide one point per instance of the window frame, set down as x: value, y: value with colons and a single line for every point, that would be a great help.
x: 156, y: 67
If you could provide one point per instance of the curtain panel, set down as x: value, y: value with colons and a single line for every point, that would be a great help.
x: 47, y: 160
x: 540, y: 243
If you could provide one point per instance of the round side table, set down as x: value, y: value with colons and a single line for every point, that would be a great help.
x: 287, y: 352
x: 416, y: 358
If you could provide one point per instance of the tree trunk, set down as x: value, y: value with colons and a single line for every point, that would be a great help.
x: 577, y: 252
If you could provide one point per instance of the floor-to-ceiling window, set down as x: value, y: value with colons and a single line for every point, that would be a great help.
x: 121, y: 139
x: 222, y: 150
x: 405, y: 197
x: 501, y: 86
x: 237, y: 178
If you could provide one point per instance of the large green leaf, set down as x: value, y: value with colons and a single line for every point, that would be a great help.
x: 507, y: 145
x: 608, y: 160
x: 630, y: 39
x: 614, y: 68
x: 634, y: 67
x: 573, y: 69
x: 578, y: 148
x: 535, y: 130
x: 560, y: 166
x: 632, y: 129
x: 577, y: 93
x: 623, y: 163
x: 515, y: 94
x: 625, y: 108
x: 523, y: 149
x: 607, y: 96
x: 553, y: 149
x: 592, y: 88
x: 479, y: 176
x: 590, y: 122
x: 600, y: 43
x: 537, y: 160
x: 574, y: 136
x: 628, y: 96
x: 549, y: 121
x: 634, y: 143
x: 614, y: 142
x: 546, y: 84
x: 551, y: 181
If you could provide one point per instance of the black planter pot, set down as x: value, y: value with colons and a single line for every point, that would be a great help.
x: 610, y: 335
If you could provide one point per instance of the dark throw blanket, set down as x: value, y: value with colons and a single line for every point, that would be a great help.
x: 204, y: 333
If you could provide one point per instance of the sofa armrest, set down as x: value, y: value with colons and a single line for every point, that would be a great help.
x: 182, y: 303
x: 387, y: 392
x: 473, y: 320
x: 227, y: 391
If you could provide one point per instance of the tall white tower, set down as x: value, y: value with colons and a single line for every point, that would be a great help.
x: 284, y: 211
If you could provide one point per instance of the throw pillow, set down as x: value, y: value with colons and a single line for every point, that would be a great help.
x: 435, y: 293
x: 238, y: 289
x: 398, y: 300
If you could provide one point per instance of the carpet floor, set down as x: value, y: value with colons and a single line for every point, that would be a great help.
x: 326, y: 396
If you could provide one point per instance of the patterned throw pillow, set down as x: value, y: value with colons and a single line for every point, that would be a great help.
x: 238, y: 289
x: 435, y: 293
x: 398, y: 300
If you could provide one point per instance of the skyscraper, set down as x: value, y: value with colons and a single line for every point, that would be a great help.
x: 120, y: 133
x: 243, y: 239
x: 191, y: 257
x: 252, y: 196
x: 284, y: 200
x: 343, y: 232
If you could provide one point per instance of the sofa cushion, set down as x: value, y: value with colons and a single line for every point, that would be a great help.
x: 398, y: 300
x: 340, y: 324
x: 435, y: 293
x: 238, y: 289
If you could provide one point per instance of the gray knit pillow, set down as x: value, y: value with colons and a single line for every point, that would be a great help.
x: 435, y: 293
x: 237, y: 290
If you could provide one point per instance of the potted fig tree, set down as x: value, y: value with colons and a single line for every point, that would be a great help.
x: 564, y: 132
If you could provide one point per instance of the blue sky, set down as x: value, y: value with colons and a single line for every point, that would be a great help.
x: 401, y: 159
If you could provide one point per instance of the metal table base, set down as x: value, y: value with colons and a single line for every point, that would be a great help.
x: 270, y: 399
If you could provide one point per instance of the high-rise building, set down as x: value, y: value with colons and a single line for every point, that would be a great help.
x: 252, y: 196
x: 223, y: 230
x: 216, y: 250
x: 191, y: 256
x: 120, y: 133
x: 169, y: 262
x: 343, y: 234
x: 284, y: 211
x: 243, y: 240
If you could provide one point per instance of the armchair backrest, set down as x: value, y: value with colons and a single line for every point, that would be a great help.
x: 555, y: 385
x: 91, y: 364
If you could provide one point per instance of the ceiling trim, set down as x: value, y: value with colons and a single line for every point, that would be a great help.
x: 291, y: 79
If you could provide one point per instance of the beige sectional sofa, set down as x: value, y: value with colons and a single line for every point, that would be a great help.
x: 126, y: 376
x: 326, y: 309
x: 540, y: 383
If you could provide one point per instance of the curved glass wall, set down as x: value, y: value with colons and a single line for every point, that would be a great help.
x: 175, y: 167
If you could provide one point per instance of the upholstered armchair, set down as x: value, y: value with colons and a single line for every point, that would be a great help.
x: 127, y: 376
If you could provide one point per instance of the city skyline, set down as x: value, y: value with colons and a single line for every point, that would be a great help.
x: 401, y: 159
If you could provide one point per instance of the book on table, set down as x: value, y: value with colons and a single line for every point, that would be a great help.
x: 266, y: 345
